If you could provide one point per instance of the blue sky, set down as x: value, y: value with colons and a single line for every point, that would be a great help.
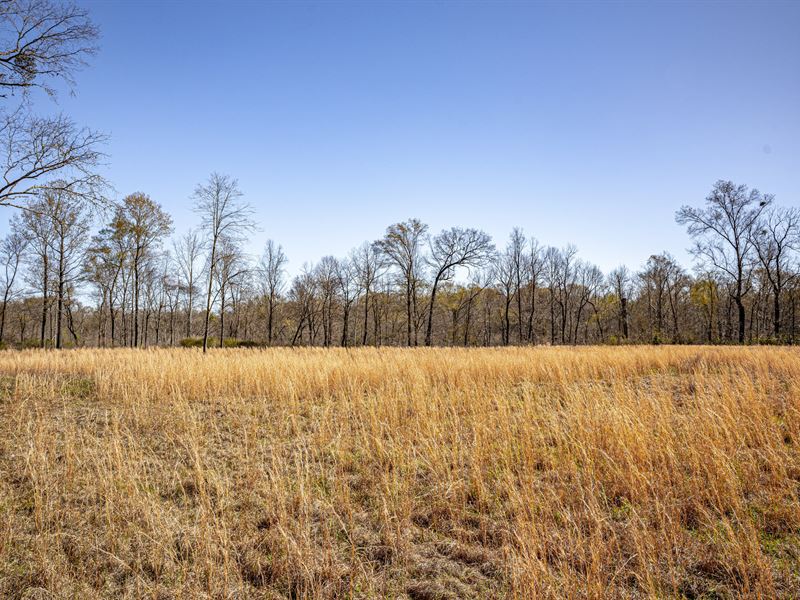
x: 580, y: 122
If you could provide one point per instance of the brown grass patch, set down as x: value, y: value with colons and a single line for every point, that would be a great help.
x: 669, y: 472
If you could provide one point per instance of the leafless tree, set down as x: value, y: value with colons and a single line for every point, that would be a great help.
x: 303, y: 294
x: 402, y: 247
x: 41, y: 234
x: 347, y: 279
x: 534, y: 266
x: 12, y: 250
x: 516, y: 250
x: 552, y: 260
x: 723, y: 235
x: 562, y: 268
x: 367, y: 263
x: 187, y: 252
x: 450, y: 249
x: 42, y: 42
x: 589, y: 280
x: 70, y: 222
x: 775, y: 237
x: 35, y: 148
x: 328, y: 286
x: 620, y: 281
x: 224, y: 216
x: 479, y: 281
x: 231, y: 267
x: 505, y: 277
x: 145, y: 224
x: 273, y: 280
x: 107, y: 257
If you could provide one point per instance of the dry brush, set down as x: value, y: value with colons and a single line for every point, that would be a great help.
x: 423, y: 473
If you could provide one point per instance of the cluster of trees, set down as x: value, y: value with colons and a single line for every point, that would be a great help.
x: 132, y: 283
x: 78, y: 269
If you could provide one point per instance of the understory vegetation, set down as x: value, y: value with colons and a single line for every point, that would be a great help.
x: 630, y: 472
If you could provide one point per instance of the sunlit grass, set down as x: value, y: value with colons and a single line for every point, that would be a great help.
x: 537, y: 473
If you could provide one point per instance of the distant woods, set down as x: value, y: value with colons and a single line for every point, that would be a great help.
x: 74, y: 276
x: 77, y: 269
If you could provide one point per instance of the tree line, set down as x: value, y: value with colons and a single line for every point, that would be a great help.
x: 73, y: 274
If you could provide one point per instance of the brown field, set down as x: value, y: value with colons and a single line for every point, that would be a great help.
x: 636, y: 472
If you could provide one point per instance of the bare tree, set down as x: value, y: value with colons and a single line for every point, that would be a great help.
x: 34, y: 148
x: 505, y: 276
x: 402, y: 248
x: 723, y: 235
x: 70, y: 222
x: 589, y: 280
x: 552, y: 260
x: 12, y: 250
x: 328, y: 285
x: 230, y: 268
x: 273, y: 280
x: 562, y: 270
x: 620, y: 281
x: 367, y: 263
x: 535, y: 265
x: 146, y: 224
x: 303, y: 295
x: 224, y: 216
x: 348, y: 291
x: 516, y: 253
x: 662, y: 284
x: 107, y: 257
x: 39, y: 229
x: 479, y: 281
x: 42, y: 42
x: 187, y: 253
x: 775, y: 236
x: 450, y: 249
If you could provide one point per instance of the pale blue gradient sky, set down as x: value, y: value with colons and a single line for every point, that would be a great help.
x: 588, y: 123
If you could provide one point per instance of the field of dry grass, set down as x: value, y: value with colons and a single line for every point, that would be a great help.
x: 636, y: 472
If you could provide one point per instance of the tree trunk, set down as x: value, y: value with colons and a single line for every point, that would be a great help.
x: 519, y: 312
x: 345, y: 325
x: 44, y: 302
x: 222, y: 318
x: 3, y: 314
x: 366, y: 316
x: 531, y: 331
x: 189, y: 308
x: 408, y: 312
x: 60, y: 292
x: 467, y: 321
x: 742, y: 318
x: 430, y: 310
x: 208, y: 295
x: 136, y: 299
x: 624, y: 316
x: 271, y: 309
x: 507, y: 322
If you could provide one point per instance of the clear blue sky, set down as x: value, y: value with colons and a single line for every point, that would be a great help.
x: 580, y: 122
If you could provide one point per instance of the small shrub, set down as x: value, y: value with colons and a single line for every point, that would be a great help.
x: 249, y: 344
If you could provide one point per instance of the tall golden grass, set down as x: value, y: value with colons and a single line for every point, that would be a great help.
x: 632, y: 472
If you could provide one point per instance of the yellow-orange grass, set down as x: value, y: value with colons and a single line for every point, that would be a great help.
x: 443, y: 473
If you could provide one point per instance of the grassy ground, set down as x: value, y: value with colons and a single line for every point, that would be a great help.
x: 669, y: 472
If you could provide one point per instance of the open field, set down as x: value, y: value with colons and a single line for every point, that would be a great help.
x: 533, y: 473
